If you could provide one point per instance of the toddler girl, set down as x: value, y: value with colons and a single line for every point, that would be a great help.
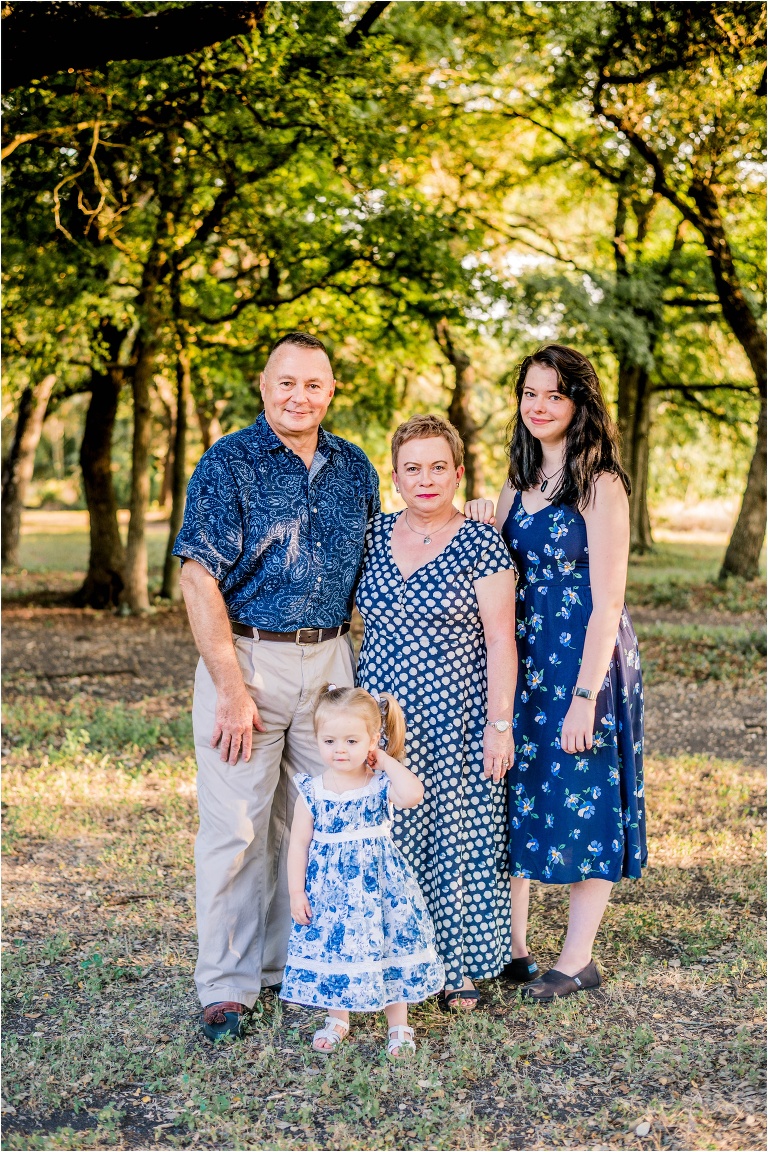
x: 362, y: 939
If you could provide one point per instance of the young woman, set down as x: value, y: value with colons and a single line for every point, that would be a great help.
x: 576, y: 788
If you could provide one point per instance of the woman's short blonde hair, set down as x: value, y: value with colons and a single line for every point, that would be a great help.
x: 424, y: 428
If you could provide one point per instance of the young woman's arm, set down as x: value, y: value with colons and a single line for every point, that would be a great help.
x: 607, y: 520
x: 406, y: 790
x: 482, y: 510
x: 298, y: 853
x: 496, y: 602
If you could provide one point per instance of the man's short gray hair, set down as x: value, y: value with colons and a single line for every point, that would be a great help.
x: 300, y: 340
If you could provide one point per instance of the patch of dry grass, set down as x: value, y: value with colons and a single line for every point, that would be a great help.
x: 101, y: 1043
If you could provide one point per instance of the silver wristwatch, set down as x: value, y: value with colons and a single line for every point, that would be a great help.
x: 499, y: 725
x: 584, y: 693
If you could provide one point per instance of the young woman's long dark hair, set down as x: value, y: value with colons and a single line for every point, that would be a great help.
x: 591, y: 442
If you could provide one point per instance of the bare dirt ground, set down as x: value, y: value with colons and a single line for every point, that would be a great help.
x: 61, y: 652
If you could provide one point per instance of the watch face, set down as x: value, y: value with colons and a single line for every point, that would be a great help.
x: 501, y: 725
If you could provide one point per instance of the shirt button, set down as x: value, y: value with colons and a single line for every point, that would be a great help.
x: 314, y: 509
x: 317, y: 545
x: 319, y: 580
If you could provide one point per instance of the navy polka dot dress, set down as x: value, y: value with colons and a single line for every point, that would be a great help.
x: 424, y: 643
x: 582, y: 816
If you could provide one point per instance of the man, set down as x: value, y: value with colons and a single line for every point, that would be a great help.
x: 271, y: 548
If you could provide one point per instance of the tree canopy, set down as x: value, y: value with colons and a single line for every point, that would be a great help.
x: 432, y: 188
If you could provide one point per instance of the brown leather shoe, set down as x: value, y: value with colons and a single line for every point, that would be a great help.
x: 224, y: 1018
x: 553, y: 985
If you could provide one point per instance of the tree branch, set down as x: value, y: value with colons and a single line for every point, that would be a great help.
x: 727, y: 385
x: 44, y: 38
x: 25, y: 137
x: 365, y: 23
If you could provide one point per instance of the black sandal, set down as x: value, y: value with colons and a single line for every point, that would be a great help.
x: 520, y: 971
x: 553, y: 985
x: 449, y: 997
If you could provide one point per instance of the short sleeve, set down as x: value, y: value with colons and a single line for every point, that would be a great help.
x: 490, y: 553
x: 374, y: 500
x: 212, y: 531
x: 304, y: 787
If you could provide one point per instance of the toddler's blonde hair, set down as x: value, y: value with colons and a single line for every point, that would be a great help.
x: 385, y: 716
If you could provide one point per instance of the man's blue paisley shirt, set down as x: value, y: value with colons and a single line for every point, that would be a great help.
x: 284, y: 543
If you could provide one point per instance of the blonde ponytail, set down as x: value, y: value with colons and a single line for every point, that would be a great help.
x: 392, y: 725
x: 382, y: 713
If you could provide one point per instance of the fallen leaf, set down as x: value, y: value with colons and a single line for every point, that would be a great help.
x: 643, y: 1129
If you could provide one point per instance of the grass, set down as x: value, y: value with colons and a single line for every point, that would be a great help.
x: 100, y: 1038
x: 684, y: 577
x: 697, y: 652
x: 101, y: 1046
x: 71, y: 726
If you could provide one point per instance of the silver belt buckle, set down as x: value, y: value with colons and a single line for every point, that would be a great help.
x: 317, y: 631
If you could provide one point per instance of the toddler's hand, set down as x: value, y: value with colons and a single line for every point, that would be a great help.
x: 301, y: 909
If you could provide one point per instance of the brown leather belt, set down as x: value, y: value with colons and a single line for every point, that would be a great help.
x: 303, y: 636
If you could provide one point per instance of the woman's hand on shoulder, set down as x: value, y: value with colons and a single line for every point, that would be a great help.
x: 480, y: 510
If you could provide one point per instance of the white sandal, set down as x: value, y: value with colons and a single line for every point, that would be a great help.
x: 400, y: 1036
x: 330, y: 1032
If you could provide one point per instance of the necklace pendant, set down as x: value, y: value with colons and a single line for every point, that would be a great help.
x: 543, y: 487
x: 427, y: 539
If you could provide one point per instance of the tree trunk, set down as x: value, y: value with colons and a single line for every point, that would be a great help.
x: 20, y: 464
x: 166, y: 488
x: 136, y: 592
x: 634, y: 394
x: 460, y: 412
x: 103, y: 583
x: 634, y: 412
x: 742, y: 557
x: 171, y: 589
x: 210, y: 427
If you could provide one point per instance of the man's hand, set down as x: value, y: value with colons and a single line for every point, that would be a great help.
x: 236, y: 718
x: 301, y: 909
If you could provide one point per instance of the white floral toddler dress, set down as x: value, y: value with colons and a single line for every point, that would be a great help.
x: 370, y: 941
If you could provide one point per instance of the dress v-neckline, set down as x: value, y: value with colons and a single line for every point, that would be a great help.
x: 426, y: 563
x: 525, y: 510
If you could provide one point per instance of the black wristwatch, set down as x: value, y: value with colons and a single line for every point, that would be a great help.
x: 584, y: 693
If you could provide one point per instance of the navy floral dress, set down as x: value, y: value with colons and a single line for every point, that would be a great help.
x: 370, y: 941
x: 572, y: 816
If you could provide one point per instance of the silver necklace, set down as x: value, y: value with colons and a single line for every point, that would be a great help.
x: 543, y: 486
x: 428, y: 539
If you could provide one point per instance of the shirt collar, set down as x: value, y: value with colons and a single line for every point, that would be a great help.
x: 268, y: 439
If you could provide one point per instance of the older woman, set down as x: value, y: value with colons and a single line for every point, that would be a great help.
x: 437, y: 597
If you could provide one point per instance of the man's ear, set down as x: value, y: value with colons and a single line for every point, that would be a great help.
x: 262, y: 382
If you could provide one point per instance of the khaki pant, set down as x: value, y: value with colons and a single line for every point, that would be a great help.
x: 243, y: 910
